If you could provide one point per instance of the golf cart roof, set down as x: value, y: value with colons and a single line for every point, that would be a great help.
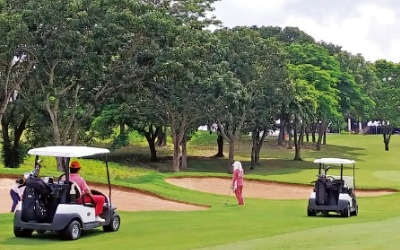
x: 334, y: 161
x: 68, y: 151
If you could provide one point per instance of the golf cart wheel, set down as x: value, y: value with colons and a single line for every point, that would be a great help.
x: 311, y: 212
x: 355, y: 212
x: 72, y: 231
x: 114, y: 224
x: 21, y: 232
x: 346, y: 212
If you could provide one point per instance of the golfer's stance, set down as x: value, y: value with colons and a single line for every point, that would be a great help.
x: 237, y: 181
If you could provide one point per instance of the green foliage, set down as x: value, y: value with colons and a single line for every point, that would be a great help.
x: 13, y: 157
x: 203, y: 138
x: 151, y: 64
x: 387, y: 101
x: 357, y: 84
x: 314, y: 65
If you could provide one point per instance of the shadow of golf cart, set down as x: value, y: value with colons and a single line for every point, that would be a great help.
x: 333, y: 193
x: 50, y: 204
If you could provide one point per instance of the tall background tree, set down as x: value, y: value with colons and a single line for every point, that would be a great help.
x: 387, y: 98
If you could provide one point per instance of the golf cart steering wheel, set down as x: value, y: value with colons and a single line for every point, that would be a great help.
x: 59, y: 178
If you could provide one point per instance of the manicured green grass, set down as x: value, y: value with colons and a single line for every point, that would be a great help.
x: 261, y: 224
x: 252, y: 225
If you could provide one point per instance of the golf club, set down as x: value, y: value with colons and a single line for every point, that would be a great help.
x: 229, y: 195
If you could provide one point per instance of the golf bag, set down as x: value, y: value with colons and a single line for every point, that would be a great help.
x: 34, y: 200
x: 322, y: 189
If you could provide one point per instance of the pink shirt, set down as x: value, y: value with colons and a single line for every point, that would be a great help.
x: 79, y: 181
x: 237, y: 177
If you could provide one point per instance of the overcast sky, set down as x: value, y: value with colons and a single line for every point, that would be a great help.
x: 368, y: 27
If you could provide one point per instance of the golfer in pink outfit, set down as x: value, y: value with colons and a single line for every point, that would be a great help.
x: 87, y: 195
x: 237, y: 181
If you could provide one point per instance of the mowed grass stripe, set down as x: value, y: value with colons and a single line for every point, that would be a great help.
x: 371, y: 235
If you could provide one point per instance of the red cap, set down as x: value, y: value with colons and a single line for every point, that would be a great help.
x: 75, y: 164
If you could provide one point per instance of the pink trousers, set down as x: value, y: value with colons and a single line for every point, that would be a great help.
x: 98, y: 201
x: 238, y: 193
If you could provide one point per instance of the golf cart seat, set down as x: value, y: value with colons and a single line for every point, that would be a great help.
x: 337, y: 185
x: 74, y: 196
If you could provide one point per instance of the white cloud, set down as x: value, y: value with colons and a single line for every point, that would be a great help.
x: 394, y: 51
x: 365, y: 27
x: 372, y: 12
x: 350, y: 33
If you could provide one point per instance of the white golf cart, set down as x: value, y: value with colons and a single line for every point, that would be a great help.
x: 50, y: 204
x: 333, y: 193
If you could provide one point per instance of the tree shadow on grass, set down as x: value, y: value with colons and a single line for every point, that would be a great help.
x: 276, y: 161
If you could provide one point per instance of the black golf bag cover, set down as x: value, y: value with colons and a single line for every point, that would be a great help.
x: 320, y: 191
x: 34, y: 200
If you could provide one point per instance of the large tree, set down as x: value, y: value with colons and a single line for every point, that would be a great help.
x: 387, y: 98
x: 317, y: 67
x: 274, y: 92
x: 72, y: 84
x: 248, y: 55
x: 182, y: 80
x: 357, y: 83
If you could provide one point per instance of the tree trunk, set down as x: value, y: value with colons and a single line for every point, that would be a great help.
x: 307, y: 132
x: 74, y: 134
x: 62, y: 164
x: 12, y: 153
x: 162, y: 137
x: 386, y: 142
x: 282, y: 128
x: 231, y: 155
x: 321, y: 128
x: 230, y: 135
x: 151, y: 136
x: 289, y: 128
x: 177, y: 138
x: 152, y: 147
x: 301, y: 136
x: 324, y: 138
x: 313, y: 133
x: 220, y: 143
x: 297, y: 147
x: 176, y: 156
x: 255, y: 136
x: 387, y: 133
x: 184, y: 164
x: 121, y: 128
x: 259, y: 146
